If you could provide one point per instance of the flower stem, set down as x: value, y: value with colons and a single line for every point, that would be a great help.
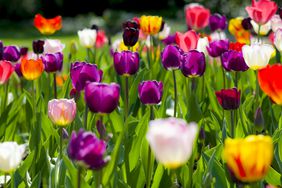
x: 33, y: 95
x: 85, y: 117
x: 61, y: 142
x: 98, y: 178
x: 232, y: 124
x: 126, y: 103
x: 223, y: 77
x: 175, y: 93
x: 55, y: 85
x: 5, y: 180
x: 203, y: 88
x: 6, y: 87
x: 148, y: 183
x: 174, y: 179
x: 79, y: 176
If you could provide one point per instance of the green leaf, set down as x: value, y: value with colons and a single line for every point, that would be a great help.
x: 273, y: 177
x: 158, y: 176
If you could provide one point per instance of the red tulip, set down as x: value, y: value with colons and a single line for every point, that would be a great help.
x: 187, y: 41
x: 197, y: 16
x: 101, y: 39
x: 6, y: 69
x: 261, y: 11
x: 47, y: 26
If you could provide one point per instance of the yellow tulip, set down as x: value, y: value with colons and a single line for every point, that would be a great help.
x: 151, y: 25
x: 236, y: 29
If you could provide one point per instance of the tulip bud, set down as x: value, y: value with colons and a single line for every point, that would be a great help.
x: 218, y: 47
x: 259, y: 120
x: 38, y: 46
x: 229, y: 99
x: 11, y: 53
x: 171, y: 57
x: 126, y: 63
x: 150, y: 92
x: 217, y: 22
x: 53, y: 62
x: 23, y: 51
x: 193, y: 64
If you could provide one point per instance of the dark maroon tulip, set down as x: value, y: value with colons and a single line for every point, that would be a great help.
x: 169, y: 40
x: 171, y: 57
x: 38, y: 46
x: 150, y: 92
x: 131, y: 24
x: 246, y: 23
x: 23, y: 51
x: 87, y: 150
x: 53, y: 62
x: 95, y: 27
x: 1, y: 50
x: 102, y: 98
x: 233, y: 60
x: 130, y: 36
x: 193, y: 64
x: 217, y: 22
x: 280, y: 12
x: 229, y: 99
x: 18, y: 69
x: 11, y: 53
x: 126, y: 63
x: 82, y: 72
x: 218, y: 47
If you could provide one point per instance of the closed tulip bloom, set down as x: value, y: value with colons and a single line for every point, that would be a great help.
x: 47, y: 26
x: 218, y: 47
x: 61, y: 111
x: 82, y: 72
x: 193, y: 64
x: 126, y: 63
x: 246, y: 23
x: 262, y: 11
x: 171, y: 140
x: 6, y: 70
x: 270, y: 82
x: 171, y: 57
x: 101, y: 39
x: 53, y: 62
x: 1, y: 50
x: 233, y: 61
x: 31, y: 68
x: 87, y: 37
x: 130, y: 33
x: 170, y: 39
x: 278, y: 39
x: 11, y: 53
x: 197, y: 16
x: 53, y: 46
x: 202, y: 45
x: 229, y: 99
x: 87, y: 150
x: 11, y: 155
x: 150, y: 25
x: 263, y: 30
x: 102, y: 98
x: 257, y: 56
x: 187, y: 41
x: 38, y: 46
x: 217, y: 22
x: 150, y: 92
x: 248, y: 158
x: 23, y: 51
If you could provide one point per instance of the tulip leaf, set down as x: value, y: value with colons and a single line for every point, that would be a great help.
x: 158, y: 176
x: 273, y: 177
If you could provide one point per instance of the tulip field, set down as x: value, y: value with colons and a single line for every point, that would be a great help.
x: 152, y: 106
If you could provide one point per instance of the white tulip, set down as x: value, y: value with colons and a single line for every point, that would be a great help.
x: 11, y: 155
x: 164, y: 33
x: 257, y: 56
x: 87, y: 37
x: 278, y: 39
x: 171, y: 140
x: 276, y: 23
x: 53, y: 46
x: 202, y: 45
x: 264, y: 29
x: 218, y: 35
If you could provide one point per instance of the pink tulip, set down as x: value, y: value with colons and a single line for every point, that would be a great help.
x: 197, y: 16
x: 262, y: 11
x: 101, y: 39
x: 187, y: 41
x: 6, y: 69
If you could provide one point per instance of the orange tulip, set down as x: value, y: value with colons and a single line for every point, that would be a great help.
x: 270, y: 82
x: 47, y: 26
x: 31, y: 68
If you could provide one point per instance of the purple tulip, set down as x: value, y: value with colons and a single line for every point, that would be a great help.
x: 193, y: 64
x: 102, y: 98
x: 23, y: 51
x: 53, y: 62
x: 38, y: 46
x: 171, y: 57
x: 217, y: 22
x: 130, y: 33
x: 1, y: 50
x: 170, y: 39
x: 82, y: 72
x: 126, y: 63
x: 18, y: 69
x: 233, y: 60
x: 87, y: 150
x: 150, y: 92
x: 218, y: 47
x: 11, y: 53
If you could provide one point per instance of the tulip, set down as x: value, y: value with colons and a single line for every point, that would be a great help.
x: 130, y: 33
x: 216, y: 48
x: 18, y: 69
x: 126, y: 63
x: 6, y: 70
x: 270, y: 82
x: 53, y: 62
x: 82, y: 72
x: 11, y: 155
x: 38, y: 46
x: 53, y: 46
x: 276, y: 22
x: 217, y: 22
x: 217, y: 35
x: 229, y: 99
x: 171, y: 57
x: 31, y: 68
x: 150, y: 25
x: 11, y: 53
x: 61, y: 111
x: 262, y: 29
x: 101, y: 39
x: 170, y: 39
x: 262, y: 11
x: 202, y: 45
x: 1, y: 50
x: 87, y: 150
x: 193, y: 64
x: 23, y: 51
x: 87, y: 37
x: 248, y: 158
x: 187, y: 41
x: 236, y: 46
x: 197, y: 16
x: 238, y: 30
x: 233, y: 60
x: 278, y: 39
x: 171, y: 140
x: 47, y: 26
x: 102, y: 98
x: 150, y: 92
x: 257, y: 56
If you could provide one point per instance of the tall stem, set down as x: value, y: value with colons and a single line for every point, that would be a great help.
x: 259, y: 27
x: 5, y: 180
x: 223, y: 77
x: 79, y: 176
x: 174, y: 179
x: 148, y: 184
x: 85, y: 116
x: 98, y: 178
x: 126, y: 103
x: 5, y: 96
x: 203, y: 88
x: 55, y: 85
x: 61, y: 142
x: 232, y: 124
x: 33, y: 94
x: 175, y: 93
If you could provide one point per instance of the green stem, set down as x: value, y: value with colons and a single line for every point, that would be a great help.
x: 61, y: 142
x: 203, y: 88
x: 6, y: 87
x: 148, y: 184
x: 223, y: 77
x: 33, y: 94
x: 236, y: 79
x: 99, y: 175
x: 174, y: 179
x: 79, y: 176
x: 126, y: 104
x: 259, y: 26
x: 55, y: 85
x: 5, y: 180
x: 232, y: 124
x: 88, y: 58
x: 85, y: 116
x: 175, y: 93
